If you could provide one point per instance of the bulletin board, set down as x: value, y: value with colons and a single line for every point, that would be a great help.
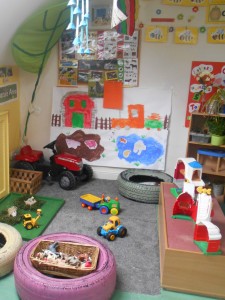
x: 135, y: 137
x: 112, y: 57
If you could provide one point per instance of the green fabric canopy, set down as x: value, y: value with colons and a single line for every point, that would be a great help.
x: 35, y: 38
x: 33, y: 41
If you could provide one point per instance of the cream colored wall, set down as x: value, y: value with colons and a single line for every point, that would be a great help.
x: 162, y: 66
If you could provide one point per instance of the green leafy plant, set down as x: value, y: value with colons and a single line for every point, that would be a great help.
x: 216, y: 125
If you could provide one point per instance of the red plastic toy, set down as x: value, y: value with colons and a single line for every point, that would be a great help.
x: 64, y: 167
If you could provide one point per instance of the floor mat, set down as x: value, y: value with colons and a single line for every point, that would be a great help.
x: 49, y: 209
x: 8, y: 292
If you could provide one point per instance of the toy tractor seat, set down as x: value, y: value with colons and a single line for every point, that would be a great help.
x: 28, y: 151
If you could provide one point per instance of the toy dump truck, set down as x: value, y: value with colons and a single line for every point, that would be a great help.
x: 112, y: 228
x: 29, y: 222
x: 104, y: 204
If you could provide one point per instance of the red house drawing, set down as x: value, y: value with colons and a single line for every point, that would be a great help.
x: 78, y: 110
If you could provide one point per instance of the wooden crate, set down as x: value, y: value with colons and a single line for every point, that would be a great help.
x: 59, y: 267
x: 25, y: 181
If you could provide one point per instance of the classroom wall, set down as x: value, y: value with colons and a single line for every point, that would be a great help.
x: 162, y: 65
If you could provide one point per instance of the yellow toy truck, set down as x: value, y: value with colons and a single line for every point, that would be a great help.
x: 29, y: 222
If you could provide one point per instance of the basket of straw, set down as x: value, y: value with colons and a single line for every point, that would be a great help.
x: 64, y: 259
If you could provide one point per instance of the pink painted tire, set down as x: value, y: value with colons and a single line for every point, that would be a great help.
x: 31, y: 284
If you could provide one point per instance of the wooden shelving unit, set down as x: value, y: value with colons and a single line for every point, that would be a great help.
x: 210, y: 172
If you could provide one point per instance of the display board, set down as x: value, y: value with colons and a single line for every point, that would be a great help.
x: 133, y: 137
x: 112, y: 57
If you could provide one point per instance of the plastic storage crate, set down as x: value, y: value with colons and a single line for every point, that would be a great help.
x: 25, y: 181
x: 200, y: 137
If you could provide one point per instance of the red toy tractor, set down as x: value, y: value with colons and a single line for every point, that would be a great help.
x: 64, y: 167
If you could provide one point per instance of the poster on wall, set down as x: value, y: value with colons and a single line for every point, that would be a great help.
x: 205, y: 79
x: 216, y: 35
x: 133, y: 137
x: 157, y: 34
x: 216, y: 12
x: 8, y: 84
x: 109, y: 52
x: 186, y: 2
x: 184, y: 35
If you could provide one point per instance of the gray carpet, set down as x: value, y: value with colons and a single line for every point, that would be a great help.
x: 137, y: 255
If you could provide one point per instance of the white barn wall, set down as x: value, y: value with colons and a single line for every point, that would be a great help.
x: 162, y: 65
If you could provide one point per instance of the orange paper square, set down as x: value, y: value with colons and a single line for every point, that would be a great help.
x: 113, y: 94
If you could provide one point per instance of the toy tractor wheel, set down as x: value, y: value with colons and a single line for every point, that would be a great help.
x: 24, y: 165
x: 114, y: 211
x: 110, y: 236
x: 83, y: 205
x: 29, y: 226
x: 99, y: 229
x: 104, y: 210
x: 90, y: 207
x: 87, y: 170
x: 122, y: 232
x: 67, y: 180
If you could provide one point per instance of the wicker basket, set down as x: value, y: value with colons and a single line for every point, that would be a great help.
x: 63, y: 269
x: 24, y: 181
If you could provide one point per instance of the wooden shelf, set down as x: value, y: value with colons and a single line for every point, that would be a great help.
x: 212, y: 171
x: 183, y: 267
x: 206, y: 144
x: 209, y: 163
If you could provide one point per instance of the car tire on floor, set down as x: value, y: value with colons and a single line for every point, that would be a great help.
x: 10, y: 243
x: 142, y: 185
x: 31, y: 284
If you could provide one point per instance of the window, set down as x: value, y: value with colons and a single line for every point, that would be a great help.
x: 71, y: 104
x: 83, y: 104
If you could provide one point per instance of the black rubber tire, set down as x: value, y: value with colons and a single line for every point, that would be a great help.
x: 24, y: 165
x: 88, y: 171
x: 99, y: 229
x: 122, y: 232
x: 110, y: 237
x: 142, y: 185
x: 67, y: 180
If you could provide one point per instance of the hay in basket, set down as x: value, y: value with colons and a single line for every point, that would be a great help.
x: 64, y: 259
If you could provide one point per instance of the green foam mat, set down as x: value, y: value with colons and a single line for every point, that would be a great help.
x: 49, y: 209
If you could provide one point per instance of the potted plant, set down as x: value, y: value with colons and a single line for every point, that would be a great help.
x: 216, y: 102
x: 216, y: 127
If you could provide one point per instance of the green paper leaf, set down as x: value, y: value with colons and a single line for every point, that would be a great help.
x: 32, y: 43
